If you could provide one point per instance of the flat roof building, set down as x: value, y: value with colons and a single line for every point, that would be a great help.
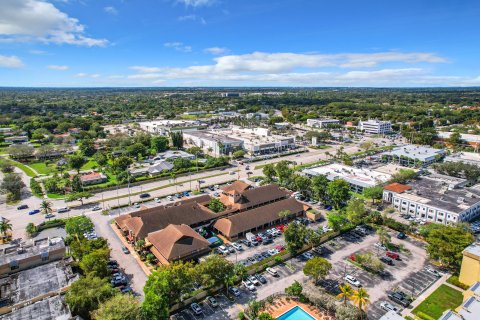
x: 465, y: 157
x: 213, y: 143
x: 322, y: 122
x: 358, y: 178
x: 435, y: 198
x: 412, y: 155
x: 470, y: 270
x: 164, y: 127
x: 374, y: 126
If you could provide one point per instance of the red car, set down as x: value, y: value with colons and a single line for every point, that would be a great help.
x: 281, y: 228
x: 259, y: 239
x: 280, y: 248
x: 393, y: 255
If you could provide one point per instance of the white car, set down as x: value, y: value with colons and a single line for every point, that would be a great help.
x: 157, y: 200
x: 96, y: 208
x: 388, y: 306
x: 237, y: 246
x: 380, y: 246
x: 272, y: 271
x: 352, y: 280
x: 170, y: 198
x: 223, y: 250
x: 272, y: 252
x: 433, y: 272
x: 254, y: 280
x: 249, y: 285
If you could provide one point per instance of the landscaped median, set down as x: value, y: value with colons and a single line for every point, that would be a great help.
x: 442, y: 299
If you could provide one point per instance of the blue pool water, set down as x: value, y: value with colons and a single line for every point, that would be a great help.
x: 296, y: 313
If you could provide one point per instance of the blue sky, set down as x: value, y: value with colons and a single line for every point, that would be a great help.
x: 92, y: 43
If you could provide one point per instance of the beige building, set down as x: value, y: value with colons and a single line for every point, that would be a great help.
x: 470, y: 271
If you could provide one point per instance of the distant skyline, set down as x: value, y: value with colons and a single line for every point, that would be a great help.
x: 316, y: 43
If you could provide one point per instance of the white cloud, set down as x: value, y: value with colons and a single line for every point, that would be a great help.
x: 216, y: 50
x: 111, y: 10
x: 297, y: 69
x: 37, y: 20
x: 10, y: 62
x: 58, y: 68
x: 191, y: 17
x: 87, y: 75
x: 38, y: 52
x: 197, y: 3
x: 179, y: 46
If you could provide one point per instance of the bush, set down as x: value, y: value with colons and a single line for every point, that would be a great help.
x: 395, y: 225
x: 36, y: 188
x: 456, y: 282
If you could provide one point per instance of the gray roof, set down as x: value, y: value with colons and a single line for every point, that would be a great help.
x: 46, y: 309
x: 29, y: 250
x: 160, y: 166
x: 411, y: 151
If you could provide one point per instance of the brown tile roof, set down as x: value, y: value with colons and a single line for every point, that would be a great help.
x: 254, y: 197
x: 250, y: 219
x: 189, y: 212
x: 178, y: 241
x: 238, y: 186
x: 397, y: 187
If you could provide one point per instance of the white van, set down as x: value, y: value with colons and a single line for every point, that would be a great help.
x: 250, y: 236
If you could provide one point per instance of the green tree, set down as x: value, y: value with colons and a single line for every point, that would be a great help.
x: 373, y: 193
x: 100, y: 158
x: 446, y: 243
x: 319, y: 187
x: 119, y: 307
x: 383, y: 235
x: 80, y: 196
x: 265, y: 316
x: 455, y: 140
x: 86, y: 294
x: 12, y: 184
x: 238, y: 154
x: 254, y: 307
x: 403, y: 176
x: 30, y: 229
x: 361, y: 298
x: 20, y: 151
x: 5, y: 226
x: 76, y: 162
x: 355, y: 210
x: 295, y: 237
x: 338, y: 192
x: 283, y: 172
x: 317, y: 268
x: 302, y: 184
x: 294, y: 290
x: 77, y: 226
x: 87, y: 147
x: 269, y: 172
x: 346, y: 293
x: 46, y: 207
x: 121, y: 164
x: 77, y: 185
x: 159, y: 143
x: 336, y: 220
x: 177, y: 139
x: 136, y: 149
x: 216, y: 205
x: 214, y: 271
x: 95, y: 263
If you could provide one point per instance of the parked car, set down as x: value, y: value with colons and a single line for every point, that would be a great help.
x: 392, y: 255
x: 22, y: 207
x: 254, y: 280
x: 62, y: 210
x: 352, y: 280
x: 249, y: 285
x: 400, y: 298
x: 261, y: 278
x: 96, y: 208
x: 272, y: 271
x: 433, y: 272
x: 380, y: 246
x: 234, y: 291
x: 388, y: 306
x: 144, y: 196
x: 170, y: 198
x: 247, y: 243
x: 272, y: 252
x: 34, y: 211
x: 237, y: 246
x: 49, y: 216
x: 251, y: 260
x: 157, y: 200
x: 224, y: 250
x: 307, y: 255
x: 126, y: 290
x: 196, y: 308
x: 125, y: 250
x: 212, y: 302
x: 254, y: 242
x: 230, y: 248
x: 401, y: 235
x: 387, y: 260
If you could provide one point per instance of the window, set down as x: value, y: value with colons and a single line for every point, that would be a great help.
x: 13, y: 265
x: 44, y: 256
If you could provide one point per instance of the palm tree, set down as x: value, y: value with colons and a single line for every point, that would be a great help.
x: 361, y: 298
x: 346, y: 293
x: 46, y: 207
x: 5, y: 226
x: 383, y: 235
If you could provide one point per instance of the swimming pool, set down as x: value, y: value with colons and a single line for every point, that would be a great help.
x: 296, y: 313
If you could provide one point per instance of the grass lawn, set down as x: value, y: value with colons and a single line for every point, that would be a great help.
x: 24, y: 168
x: 89, y: 165
x: 55, y: 196
x: 442, y: 299
x: 43, y: 168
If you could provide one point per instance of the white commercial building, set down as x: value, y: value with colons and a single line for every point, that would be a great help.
x: 212, y: 143
x: 411, y: 154
x: 436, y: 198
x: 465, y: 157
x: 322, y: 122
x: 164, y: 127
x: 358, y: 178
x: 374, y: 126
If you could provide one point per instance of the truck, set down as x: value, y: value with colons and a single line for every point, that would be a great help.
x: 250, y: 236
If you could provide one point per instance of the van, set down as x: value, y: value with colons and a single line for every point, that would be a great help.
x: 250, y: 236
x: 62, y: 210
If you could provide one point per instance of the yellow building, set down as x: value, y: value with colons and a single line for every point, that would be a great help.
x: 470, y: 271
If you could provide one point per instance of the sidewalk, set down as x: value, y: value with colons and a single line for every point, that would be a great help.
x: 425, y: 294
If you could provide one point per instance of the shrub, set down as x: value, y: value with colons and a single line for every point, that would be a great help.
x: 456, y: 282
x: 36, y: 188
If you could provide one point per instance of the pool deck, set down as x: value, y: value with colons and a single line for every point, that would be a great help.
x: 282, y: 305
